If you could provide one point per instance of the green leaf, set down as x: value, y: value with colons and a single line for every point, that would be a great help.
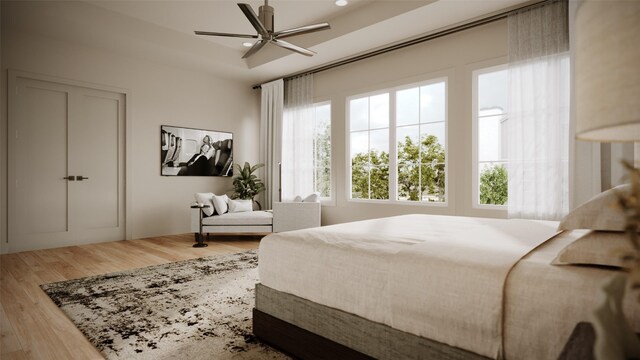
x: 247, y: 185
x: 494, y: 185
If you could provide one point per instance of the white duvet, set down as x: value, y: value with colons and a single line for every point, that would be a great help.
x: 440, y: 277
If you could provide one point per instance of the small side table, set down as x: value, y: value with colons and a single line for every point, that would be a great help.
x: 199, y: 236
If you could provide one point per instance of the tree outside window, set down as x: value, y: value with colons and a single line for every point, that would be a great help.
x: 421, y: 173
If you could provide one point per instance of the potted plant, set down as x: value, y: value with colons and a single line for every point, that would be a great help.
x: 246, y: 185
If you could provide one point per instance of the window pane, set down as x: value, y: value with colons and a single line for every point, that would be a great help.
x: 379, y: 144
x: 323, y: 181
x: 421, y: 149
x: 437, y: 133
x: 359, y: 182
x: 370, y: 149
x: 359, y: 114
x: 432, y: 102
x: 407, y: 137
x: 322, y: 150
x: 433, y: 180
x: 408, y: 183
x: 492, y: 91
x: 379, y: 111
x: 407, y: 106
x: 359, y: 143
x: 493, y: 183
x: 492, y: 122
x: 379, y: 182
x: 490, y: 139
x: 323, y: 113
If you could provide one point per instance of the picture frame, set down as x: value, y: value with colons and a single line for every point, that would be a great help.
x: 195, y: 152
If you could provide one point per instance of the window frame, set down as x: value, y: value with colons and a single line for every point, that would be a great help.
x: 393, y: 144
x: 475, y: 182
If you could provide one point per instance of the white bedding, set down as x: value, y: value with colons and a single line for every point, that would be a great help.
x: 374, y: 269
x: 452, y: 287
x: 338, y: 267
x: 544, y: 301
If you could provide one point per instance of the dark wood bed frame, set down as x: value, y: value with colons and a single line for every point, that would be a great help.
x: 299, y: 342
x: 308, y: 330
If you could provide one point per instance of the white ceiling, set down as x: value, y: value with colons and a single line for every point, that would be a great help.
x: 225, y: 15
x: 163, y: 30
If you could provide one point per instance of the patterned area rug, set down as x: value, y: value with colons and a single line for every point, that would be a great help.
x: 194, y: 309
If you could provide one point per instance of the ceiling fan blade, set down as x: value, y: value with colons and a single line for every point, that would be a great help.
x: 209, y: 33
x: 254, y: 20
x: 254, y: 49
x: 301, y: 30
x: 290, y: 46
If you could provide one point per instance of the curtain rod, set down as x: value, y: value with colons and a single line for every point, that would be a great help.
x: 407, y: 43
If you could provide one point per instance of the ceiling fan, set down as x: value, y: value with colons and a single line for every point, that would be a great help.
x: 263, y: 23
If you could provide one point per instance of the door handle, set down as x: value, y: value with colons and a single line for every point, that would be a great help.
x: 80, y: 178
x: 70, y: 178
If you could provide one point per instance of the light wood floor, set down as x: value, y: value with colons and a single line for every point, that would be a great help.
x: 32, y: 326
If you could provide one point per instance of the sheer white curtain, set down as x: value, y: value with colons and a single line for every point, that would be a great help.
x: 538, y: 125
x: 271, y: 138
x: 297, y: 138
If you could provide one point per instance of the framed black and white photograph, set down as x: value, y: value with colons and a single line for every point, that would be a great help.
x: 195, y: 152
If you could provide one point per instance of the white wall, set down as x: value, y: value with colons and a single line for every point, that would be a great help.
x: 160, y: 94
x: 454, y: 56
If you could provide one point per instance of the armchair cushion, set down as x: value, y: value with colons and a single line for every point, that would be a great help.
x: 240, y: 205
x: 240, y: 218
x: 221, y: 204
x: 205, y: 198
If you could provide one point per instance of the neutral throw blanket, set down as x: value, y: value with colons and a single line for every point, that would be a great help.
x: 452, y: 288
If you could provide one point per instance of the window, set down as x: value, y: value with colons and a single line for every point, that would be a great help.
x: 369, y: 141
x: 420, y: 135
x: 322, y: 150
x: 306, y: 151
x: 413, y: 120
x: 490, y: 132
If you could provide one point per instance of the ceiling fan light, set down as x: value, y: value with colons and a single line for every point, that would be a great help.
x: 341, y: 2
x: 247, y: 44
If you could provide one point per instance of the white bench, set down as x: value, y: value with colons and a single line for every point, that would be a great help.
x: 284, y: 217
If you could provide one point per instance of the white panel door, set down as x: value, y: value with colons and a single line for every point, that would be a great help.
x: 61, y: 131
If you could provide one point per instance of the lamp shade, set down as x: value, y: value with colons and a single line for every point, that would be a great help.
x: 607, y: 68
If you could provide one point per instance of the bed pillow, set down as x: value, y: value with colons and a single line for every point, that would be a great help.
x: 206, y: 199
x: 220, y: 203
x: 599, y: 213
x: 603, y: 248
x: 298, y: 198
x: 240, y: 206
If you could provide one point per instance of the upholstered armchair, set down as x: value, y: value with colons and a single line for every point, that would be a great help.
x: 284, y: 217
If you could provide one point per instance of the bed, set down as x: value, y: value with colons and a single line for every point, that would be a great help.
x: 424, y: 286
